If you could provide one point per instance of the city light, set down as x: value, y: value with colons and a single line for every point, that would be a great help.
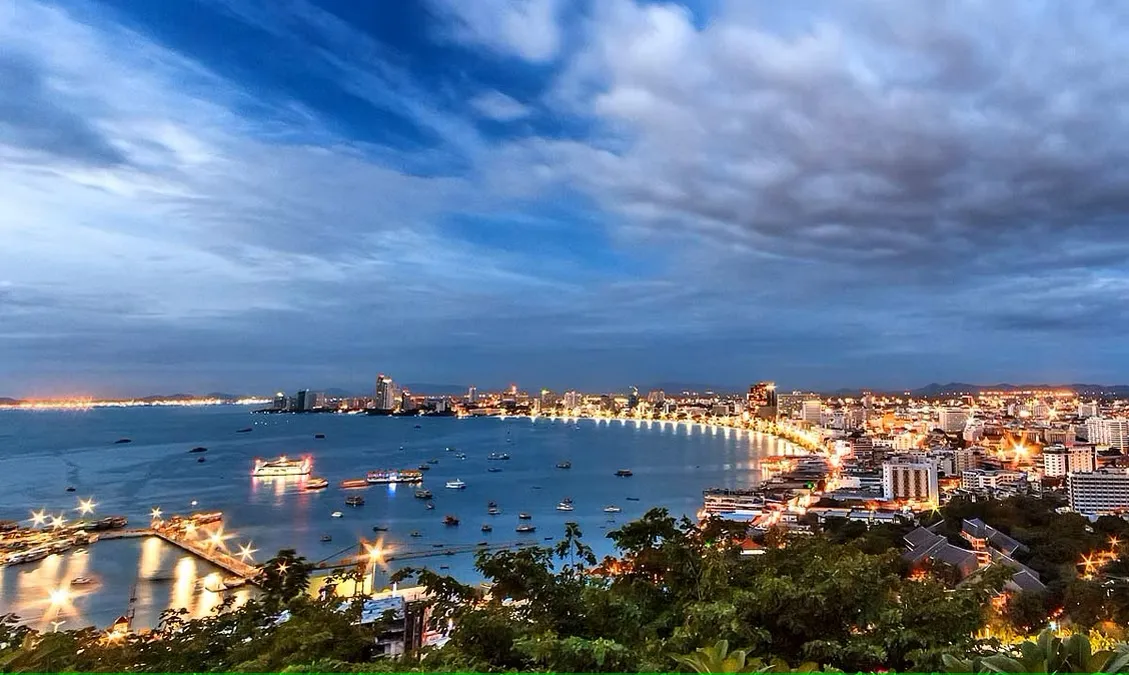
x: 155, y: 513
x: 85, y: 506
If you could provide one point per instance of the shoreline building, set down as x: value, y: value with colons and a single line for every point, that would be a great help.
x: 1099, y: 492
x: 385, y: 398
x: 762, y: 401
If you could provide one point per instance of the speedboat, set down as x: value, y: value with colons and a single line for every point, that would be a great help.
x: 450, y: 520
x: 524, y: 516
x: 244, y: 430
x: 624, y: 473
x: 612, y: 509
x: 70, y: 488
x: 430, y: 506
x: 81, y: 581
x: 379, y: 528
x: 79, y: 551
x: 198, y: 448
x: 423, y: 493
x: 201, y: 460
x: 564, y: 506
x: 522, y: 529
x: 632, y: 499
x: 493, y: 510
x: 564, y: 465
x: 336, y: 514
x: 319, y: 436
x: 326, y: 537
x: 456, y: 484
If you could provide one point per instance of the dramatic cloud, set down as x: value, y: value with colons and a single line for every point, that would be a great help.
x: 600, y: 194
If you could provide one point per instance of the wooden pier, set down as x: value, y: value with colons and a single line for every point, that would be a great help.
x: 201, y: 549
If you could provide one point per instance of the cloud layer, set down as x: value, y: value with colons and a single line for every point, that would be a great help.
x: 559, y: 195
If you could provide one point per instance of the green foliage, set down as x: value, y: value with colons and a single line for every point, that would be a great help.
x: 1046, y: 654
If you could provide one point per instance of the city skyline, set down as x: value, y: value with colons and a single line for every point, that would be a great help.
x: 240, y: 196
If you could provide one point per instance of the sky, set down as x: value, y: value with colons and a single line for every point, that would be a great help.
x: 250, y: 195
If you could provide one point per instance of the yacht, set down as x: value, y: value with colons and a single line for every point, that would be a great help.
x: 612, y: 509
x: 317, y: 483
x: 522, y: 529
x: 624, y: 473
x: 395, y: 476
x: 336, y: 514
x: 493, y: 510
x: 565, y: 506
x: 281, y: 466
x: 355, y: 500
x: 524, y: 516
x: 456, y: 484
x: 423, y: 493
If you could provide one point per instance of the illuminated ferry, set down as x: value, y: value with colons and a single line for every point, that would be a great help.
x: 395, y: 476
x: 266, y: 468
x: 353, y: 483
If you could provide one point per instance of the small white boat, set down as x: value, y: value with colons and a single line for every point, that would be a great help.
x: 456, y: 484
x: 81, y: 581
x: 336, y: 514
x: 612, y: 509
x: 564, y: 506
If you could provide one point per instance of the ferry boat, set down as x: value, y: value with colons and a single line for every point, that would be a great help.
x: 317, y: 483
x: 355, y: 500
x: 730, y: 500
x: 353, y: 483
x: 395, y: 476
x: 456, y: 484
x: 624, y: 473
x: 496, y: 457
x: 564, y: 506
x: 564, y: 465
x: 450, y: 520
x: 522, y: 529
x: 281, y: 466
x: 423, y: 493
x: 612, y: 509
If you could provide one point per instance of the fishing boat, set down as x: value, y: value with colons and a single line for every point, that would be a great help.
x: 355, y: 500
x: 423, y: 493
x: 522, y: 529
x: 317, y: 483
x: 456, y: 484
x: 624, y: 473
x: 353, y: 483
x: 336, y: 514
x: 487, y: 528
x: 524, y: 516
x: 494, y: 456
x: 450, y: 520
x: 612, y: 509
x: 564, y: 465
x: 564, y: 506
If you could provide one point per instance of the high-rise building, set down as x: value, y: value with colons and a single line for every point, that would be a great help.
x: 1094, y: 429
x: 1059, y: 460
x: 1088, y: 409
x: 988, y: 479
x: 406, y: 401
x: 761, y: 400
x: 571, y: 400
x: 472, y: 394
x: 304, y: 400
x: 385, y: 393
x: 812, y: 411
x: 952, y: 420
x: 1102, y: 491
x: 281, y: 401
x: 906, y: 478
x: 1115, y: 433
x: 656, y: 396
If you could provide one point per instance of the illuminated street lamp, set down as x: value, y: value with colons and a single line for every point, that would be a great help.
x: 85, y: 506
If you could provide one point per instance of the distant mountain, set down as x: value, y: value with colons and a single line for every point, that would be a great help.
x: 8, y: 401
x: 935, y: 389
x: 678, y: 387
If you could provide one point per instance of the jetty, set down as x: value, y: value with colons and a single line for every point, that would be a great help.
x: 199, y: 546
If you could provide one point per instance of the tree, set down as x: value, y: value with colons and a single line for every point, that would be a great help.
x: 283, y: 578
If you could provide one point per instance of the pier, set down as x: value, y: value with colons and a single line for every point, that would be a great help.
x: 201, y: 548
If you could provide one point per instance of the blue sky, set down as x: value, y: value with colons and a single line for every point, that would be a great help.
x: 247, y: 195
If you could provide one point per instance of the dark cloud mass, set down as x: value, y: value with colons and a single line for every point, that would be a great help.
x: 620, y: 192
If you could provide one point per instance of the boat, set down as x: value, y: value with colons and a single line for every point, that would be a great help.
x: 494, y: 469
x: 456, y: 484
x: 70, y: 488
x: 425, y: 467
x: 81, y: 581
x: 437, y: 546
x: 30, y: 555
x: 444, y: 567
x: 493, y: 510
x: 281, y: 466
x: 234, y: 582
x: 379, y: 528
x: 326, y: 537
x: 450, y: 520
x: 200, y: 460
x: 564, y: 465
x: 319, y: 436
x: 460, y: 455
x: 385, y: 476
x: 491, y: 504
x: 415, y: 533
x: 317, y: 483
x: 612, y: 509
x: 418, y: 427
x: 524, y: 516
x: 198, y: 449
x: 80, y: 551
x: 353, y: 483
x: 548, y: 538
x: 244, y: 430
x: 487, y: 528
x: 430, y: 506
x: 565, y: 506
x: 423, y: 493
x: 497, y: 457
x: 121, y: 441
x: 483, y: 543
x: 522, y: 529
x: 355, y: 500
x: 632, y: 499
x: 336, y: 514
x: 432, y: 461
x: 624, y: 473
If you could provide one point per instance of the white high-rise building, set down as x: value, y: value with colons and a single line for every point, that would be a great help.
x: 1086, y: 410
x: 1059, y: 460
x: 1094, y: 429
x: 472, y: 394
x: 952, y: 420
x: 812, y: 411
x: 905, y: 478
x: 1102, y: 491
x: 571, y: 400
x: 1115, y: 433
x: 385, y: 393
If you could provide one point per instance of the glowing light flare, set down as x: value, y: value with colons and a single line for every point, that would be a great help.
x: 58, y: 521
x: 59, y: 596
x: 38, y: 517
x: 85, y: 506
x: 217, y: 539
x: 246, y: 553
x: 155, y: 513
